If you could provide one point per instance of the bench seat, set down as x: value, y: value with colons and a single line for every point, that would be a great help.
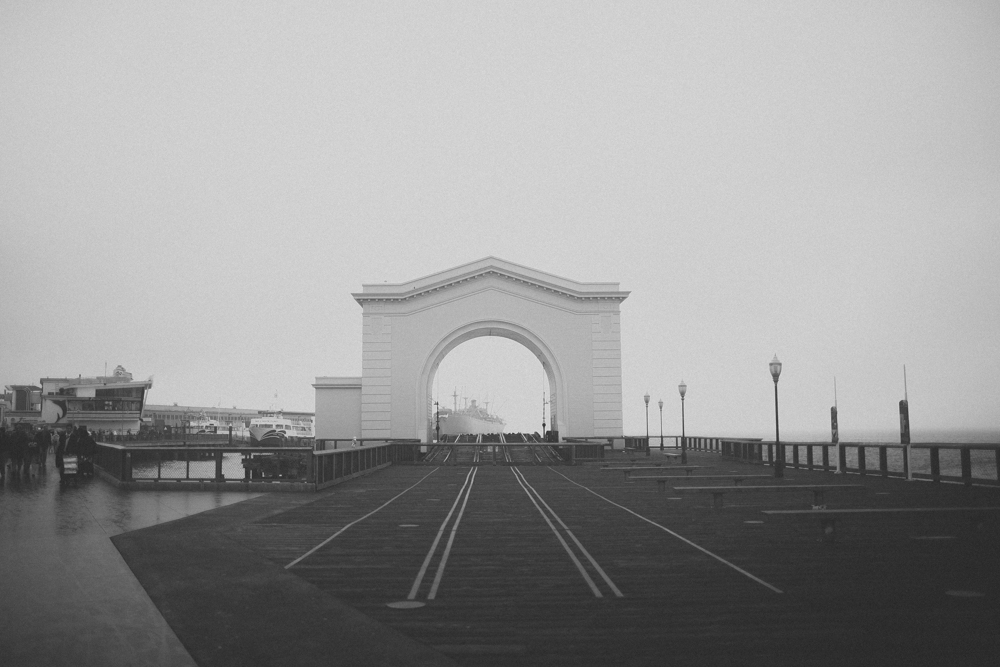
x: 661, y: 480
x: 719, y: 491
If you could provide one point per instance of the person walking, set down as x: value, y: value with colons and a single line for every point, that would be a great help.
x: 73, y: 451
x: 88, y: 447
x: 44, y: 440
x: 3, y: 451
x: 24, y: 448
x: 59, y: 447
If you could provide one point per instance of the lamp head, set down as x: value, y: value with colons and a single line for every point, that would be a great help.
x: 683, y: 389
x: 661, y: 404
x: 775, y: 367
x: 646, y: 398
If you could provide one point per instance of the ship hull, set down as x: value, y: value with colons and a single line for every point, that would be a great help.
x: 457, y: 424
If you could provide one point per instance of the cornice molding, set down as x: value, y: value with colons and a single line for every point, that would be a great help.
x: 490, y: 267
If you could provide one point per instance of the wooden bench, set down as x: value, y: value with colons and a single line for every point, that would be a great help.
x: 628, y: 471
x: 661, y: 480
x: 828, y: 518
x: 719, y: 491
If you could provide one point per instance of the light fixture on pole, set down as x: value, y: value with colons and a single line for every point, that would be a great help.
x: 661, y: 425
x: 779, y: 453
x: 437, y: 422
x: 646, y: 398
x: 683, y: 389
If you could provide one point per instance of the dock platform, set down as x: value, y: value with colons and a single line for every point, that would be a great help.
x: 565, y: 565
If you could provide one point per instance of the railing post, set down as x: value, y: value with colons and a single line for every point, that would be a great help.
x: 861, y: 459
x: 826, y: 458
x: 883, y: 461
x: 935, y: 464
x: 218, y: 467
x: 809, y: 457
x: 966, y: 466
x: 841, y: 459
x: 795, y: 456
x: 907, y: 464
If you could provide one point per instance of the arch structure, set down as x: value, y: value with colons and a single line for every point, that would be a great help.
x: 572, y: 328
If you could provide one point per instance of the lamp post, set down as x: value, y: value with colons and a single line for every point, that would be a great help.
x: 661, y: 425
x: 779, y: 453
x: 646, y: 398
x: 437, y: 421
x: 683, y: 389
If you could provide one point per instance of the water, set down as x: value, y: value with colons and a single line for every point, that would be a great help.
x: 232, y: 468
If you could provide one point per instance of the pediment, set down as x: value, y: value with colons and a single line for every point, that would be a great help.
x: 490, y: 267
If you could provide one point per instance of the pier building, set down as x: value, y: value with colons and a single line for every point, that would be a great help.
x: 107, y: 402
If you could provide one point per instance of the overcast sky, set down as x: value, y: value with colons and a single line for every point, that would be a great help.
x: 193, y: 190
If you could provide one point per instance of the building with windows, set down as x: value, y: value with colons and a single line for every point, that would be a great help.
x: 107, y: 402
x: 180, y: 416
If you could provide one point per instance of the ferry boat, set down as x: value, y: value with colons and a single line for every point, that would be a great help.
x: 203, y: 425
x: 471, y: 419
x: 277, y: 430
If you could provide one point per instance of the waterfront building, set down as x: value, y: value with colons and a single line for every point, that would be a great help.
x: 180, y: 417
x: 106, y: 402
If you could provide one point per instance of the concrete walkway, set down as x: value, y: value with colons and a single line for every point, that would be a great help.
x: 66, y: 595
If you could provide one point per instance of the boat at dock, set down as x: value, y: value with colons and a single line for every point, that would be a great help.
x: 275, y: 430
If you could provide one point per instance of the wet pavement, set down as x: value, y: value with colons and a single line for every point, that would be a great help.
x: 66, y: 594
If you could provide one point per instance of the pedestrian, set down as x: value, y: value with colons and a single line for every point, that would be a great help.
x: 88, y: 447
x: 31, y: 451
x: 59, y: 442
x: 44, y: 440
x: 3, y: 450
x: 71, y: 455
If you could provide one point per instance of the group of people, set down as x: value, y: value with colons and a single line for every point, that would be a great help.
x: 23, y: 446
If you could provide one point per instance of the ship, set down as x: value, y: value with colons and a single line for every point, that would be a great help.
x: 203, y: 424
x: 471, y: 419
x: 275, y: 430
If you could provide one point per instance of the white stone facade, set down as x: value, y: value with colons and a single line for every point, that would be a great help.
x: 573, y: 328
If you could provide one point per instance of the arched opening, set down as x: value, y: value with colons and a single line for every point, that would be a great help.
x: 502, y: 376
x: 534, y: 345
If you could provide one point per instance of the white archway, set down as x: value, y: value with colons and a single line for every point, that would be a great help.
x: 572, y: 328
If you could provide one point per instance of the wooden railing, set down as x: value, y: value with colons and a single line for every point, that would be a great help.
x: 967, y: 463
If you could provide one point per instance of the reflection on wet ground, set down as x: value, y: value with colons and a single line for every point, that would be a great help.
x: 66, y: 595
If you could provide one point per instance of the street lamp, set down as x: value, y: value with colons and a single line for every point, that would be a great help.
x: 646, y: 398
x: 661, y: 425
x: 779, y: 461
x: 437, y: 421
x: 683, y: 389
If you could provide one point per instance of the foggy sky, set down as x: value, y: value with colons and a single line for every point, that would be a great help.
x: 193, y: 190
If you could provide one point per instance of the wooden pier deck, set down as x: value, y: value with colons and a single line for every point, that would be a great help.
x: 567, y: 565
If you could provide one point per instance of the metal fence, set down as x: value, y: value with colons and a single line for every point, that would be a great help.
x: 952, y: 462
x: 178, y: 463
x: 281, y: 468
